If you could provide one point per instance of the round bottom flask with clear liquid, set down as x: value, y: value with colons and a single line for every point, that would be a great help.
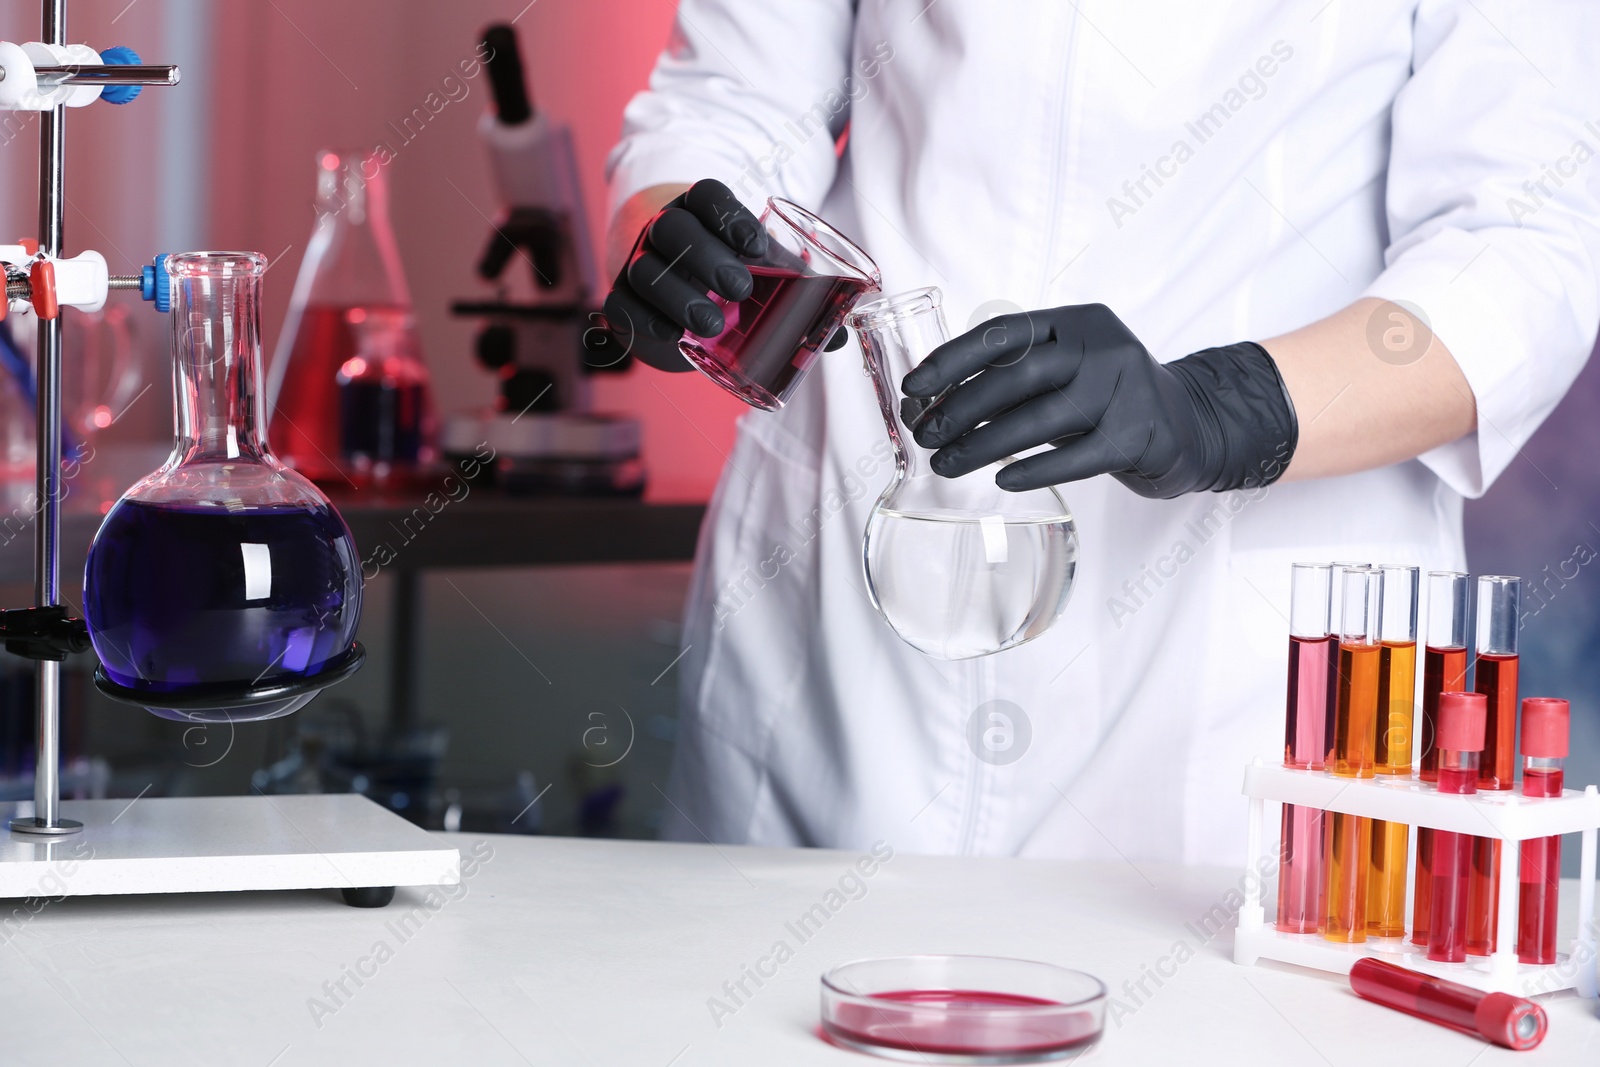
x: 224, y: 587
x: 958, y: 567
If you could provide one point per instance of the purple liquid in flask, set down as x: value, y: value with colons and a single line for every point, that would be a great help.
x: 224, y: 586
x: 182, y: 596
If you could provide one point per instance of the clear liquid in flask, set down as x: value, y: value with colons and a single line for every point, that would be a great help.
x: 958, y: 586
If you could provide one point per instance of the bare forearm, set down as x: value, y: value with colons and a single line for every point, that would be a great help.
x: 1371, y: 386
x: 631, y: 218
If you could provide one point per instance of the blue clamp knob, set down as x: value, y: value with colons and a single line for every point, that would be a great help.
x: 155, y: 283
x: 121, y: 56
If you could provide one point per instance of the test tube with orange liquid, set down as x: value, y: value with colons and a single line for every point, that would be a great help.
x: 1352, y: 752
x: 1397, y: 694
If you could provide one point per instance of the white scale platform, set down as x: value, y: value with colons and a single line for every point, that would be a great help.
x: 1505, y: 815
x: 222, y: 844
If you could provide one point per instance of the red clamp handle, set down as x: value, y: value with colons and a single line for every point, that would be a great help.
x: 42, y: 278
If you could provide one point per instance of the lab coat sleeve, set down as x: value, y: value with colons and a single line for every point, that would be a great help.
x: 1493, y: 203
x: 752, y: 92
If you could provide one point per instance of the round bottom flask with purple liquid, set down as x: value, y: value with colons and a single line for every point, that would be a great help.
x: 223, y: 587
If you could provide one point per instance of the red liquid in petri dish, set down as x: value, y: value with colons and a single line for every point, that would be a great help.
x: 963, y: 1022
x: 775, y: 333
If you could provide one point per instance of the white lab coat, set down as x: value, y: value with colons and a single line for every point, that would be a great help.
x: 1213, y: 173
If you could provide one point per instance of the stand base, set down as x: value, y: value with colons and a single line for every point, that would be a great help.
x: 225, y: 844
x: 28, y: 824
x: 1480, y: 972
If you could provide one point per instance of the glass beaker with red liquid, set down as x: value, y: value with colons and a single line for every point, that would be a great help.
x: 385, y: 414
x: 809, y: 278
x: 222, y: 587
x: 351, y: 276
x: 962, y: 1009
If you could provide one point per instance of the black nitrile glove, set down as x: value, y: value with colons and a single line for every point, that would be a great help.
x: 691, y: 246
x: 1078, y: 379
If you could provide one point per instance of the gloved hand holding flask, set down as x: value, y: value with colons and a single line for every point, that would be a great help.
x: 1077, y: 379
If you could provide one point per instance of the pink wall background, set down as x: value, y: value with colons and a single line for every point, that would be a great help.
x: 267, y: 84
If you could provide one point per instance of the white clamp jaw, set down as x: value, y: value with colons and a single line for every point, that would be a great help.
x: 80, y: 282
x: 21, y: 88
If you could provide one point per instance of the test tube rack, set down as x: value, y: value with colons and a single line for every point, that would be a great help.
x: 162, y: 844
x: 1507, y: 816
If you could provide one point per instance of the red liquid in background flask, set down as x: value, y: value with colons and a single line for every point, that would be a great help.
x: 756, y: 355
x: 305, y: 427
x: 933, y: 1022
x: 328, y: 426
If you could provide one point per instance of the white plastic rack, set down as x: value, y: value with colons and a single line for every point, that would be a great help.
x: 1505, y: 815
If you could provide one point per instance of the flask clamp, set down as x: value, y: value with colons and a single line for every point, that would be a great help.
x: 48, y: 283
x: 47, y: 633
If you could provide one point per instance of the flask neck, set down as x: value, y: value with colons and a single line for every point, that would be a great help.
x: 353, y: 259
x: 216, y: 353
x: 896, y: 334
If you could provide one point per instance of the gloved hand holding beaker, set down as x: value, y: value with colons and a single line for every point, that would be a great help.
x: 690, y: 246
x: 1078, y: 379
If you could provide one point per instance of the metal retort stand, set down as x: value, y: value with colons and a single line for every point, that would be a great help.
x: 161, y: 844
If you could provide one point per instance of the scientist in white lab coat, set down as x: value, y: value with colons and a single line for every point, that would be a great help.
x: 1294, y: 278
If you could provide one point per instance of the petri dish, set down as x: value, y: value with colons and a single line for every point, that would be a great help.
x: 962, y: 1009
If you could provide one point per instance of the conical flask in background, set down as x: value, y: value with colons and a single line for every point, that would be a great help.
x: 351, y: 273
x: 222, y: 587
x: 958, y: 567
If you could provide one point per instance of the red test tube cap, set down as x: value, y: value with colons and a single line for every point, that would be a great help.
x: 1508, y: 1021
x: 1544, y: 727
x: 1511, y: 1022
x: 1461, y: 721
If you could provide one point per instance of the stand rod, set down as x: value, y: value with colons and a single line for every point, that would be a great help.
x: 47, y: 529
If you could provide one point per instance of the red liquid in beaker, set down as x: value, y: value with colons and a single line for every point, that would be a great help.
x: 305, y: 429
x: 964, y: 1022
x: 772, y: 336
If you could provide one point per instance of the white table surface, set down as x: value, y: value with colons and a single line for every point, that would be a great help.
x: 578, y: 953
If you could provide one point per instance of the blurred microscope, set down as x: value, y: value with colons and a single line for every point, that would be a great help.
x: 537, y: 323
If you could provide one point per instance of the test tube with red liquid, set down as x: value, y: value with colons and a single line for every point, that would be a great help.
x: 1461, y: 730
x: 1495, y: 676
x: 1397, y: 694
x: 1444, y: 670
x: 1511, y: 1022
x: 1544, y: 750
x: 1312, y: 678
x: 1347, y: 843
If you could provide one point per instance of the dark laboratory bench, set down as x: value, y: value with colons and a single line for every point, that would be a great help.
x: 486, y: 529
